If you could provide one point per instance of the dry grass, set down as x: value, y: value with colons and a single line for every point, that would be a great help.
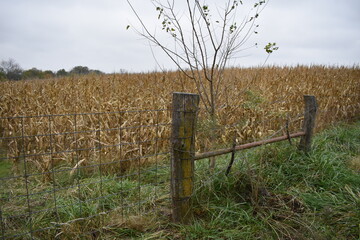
x: 354, y: 164
x: 258, y: 101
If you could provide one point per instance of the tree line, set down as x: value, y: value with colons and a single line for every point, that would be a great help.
x: 11, y: 70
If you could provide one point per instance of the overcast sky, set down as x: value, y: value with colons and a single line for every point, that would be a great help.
x: 49, y: 34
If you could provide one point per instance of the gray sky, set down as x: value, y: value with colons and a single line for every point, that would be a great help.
x: 49, y: 34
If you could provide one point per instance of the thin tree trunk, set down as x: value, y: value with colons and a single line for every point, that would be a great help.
x: 212, y: 160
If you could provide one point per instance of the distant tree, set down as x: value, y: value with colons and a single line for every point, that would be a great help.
x: 61, y: 73
x: 48, y: 74
x: 80, y: 70
x: 96, y: 72
x: 2, y: 75
x: 32, y: 73
x: 123, y: 71
x: 12, y: 70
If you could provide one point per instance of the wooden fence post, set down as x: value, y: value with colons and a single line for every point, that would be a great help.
x: 309, y: 122
x: 184, y: 114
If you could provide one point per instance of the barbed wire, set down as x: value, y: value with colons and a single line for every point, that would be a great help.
x: 240, y: 123
x: 263, y: 121
x: 340, y: 95
x: 283, y: 99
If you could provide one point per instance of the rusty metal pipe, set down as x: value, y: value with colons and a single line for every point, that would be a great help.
x: 246, y: 146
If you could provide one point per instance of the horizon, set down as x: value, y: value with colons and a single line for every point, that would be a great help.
x: 123, y: 71
x: 61, y: 35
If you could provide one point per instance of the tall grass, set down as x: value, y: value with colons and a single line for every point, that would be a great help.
x: 277, y: 192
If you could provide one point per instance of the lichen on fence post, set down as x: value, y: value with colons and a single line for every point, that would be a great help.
x: 309, y: 122
x: 184, y: 114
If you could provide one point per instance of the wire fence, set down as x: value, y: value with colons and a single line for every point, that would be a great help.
x: 66, y: 169
x: 60, y: 169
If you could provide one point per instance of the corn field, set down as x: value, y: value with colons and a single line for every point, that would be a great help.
x: 254, y: 102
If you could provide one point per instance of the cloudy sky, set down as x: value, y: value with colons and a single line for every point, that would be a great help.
x: 49, y: 34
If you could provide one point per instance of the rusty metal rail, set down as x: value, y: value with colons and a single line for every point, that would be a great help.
x: 246, y: 146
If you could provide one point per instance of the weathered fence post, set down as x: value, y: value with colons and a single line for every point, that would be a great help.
x: 184, y: 114
x: 309, y: 122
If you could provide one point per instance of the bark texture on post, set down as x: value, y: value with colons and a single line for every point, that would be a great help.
x: 309, y: 122
x: 184, y: 114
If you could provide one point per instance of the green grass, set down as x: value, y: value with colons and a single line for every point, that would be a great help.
x: 96, y: 204
x: 5, y: 165
x: 5, y: 168
x: 278, y: 192
x: 273, y: 192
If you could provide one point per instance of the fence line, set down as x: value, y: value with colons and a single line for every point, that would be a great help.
x: 134, y: 186
x: 96, y: 163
